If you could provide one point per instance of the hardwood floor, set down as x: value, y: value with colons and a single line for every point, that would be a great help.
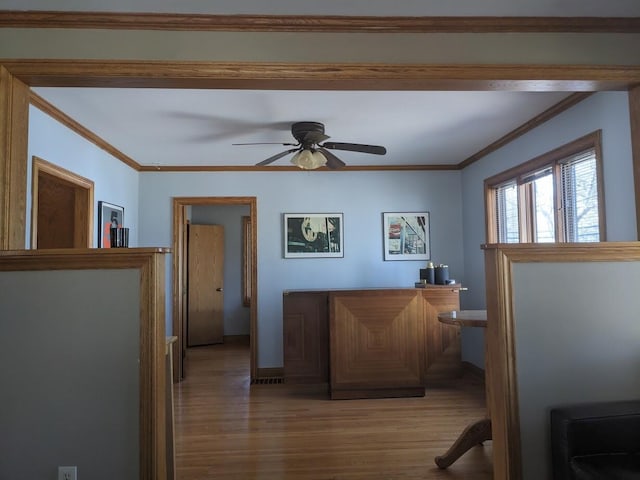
x: 227, y: 429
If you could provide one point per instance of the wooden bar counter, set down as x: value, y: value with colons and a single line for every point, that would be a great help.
x: 371, y: 343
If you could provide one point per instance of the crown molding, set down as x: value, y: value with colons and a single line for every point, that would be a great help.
x: 315, y: 23
x: 276, y: 168
x: 529, y: 125
x: 51, y: 110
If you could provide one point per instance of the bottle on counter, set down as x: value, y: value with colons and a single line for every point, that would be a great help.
x: 431, y: 275
x: 428, y: 274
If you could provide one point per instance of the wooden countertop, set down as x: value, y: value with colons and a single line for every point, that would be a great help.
x: 373, y: 289
x: 464, y: 318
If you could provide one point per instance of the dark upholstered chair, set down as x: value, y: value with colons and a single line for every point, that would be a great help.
x: 596, y: 441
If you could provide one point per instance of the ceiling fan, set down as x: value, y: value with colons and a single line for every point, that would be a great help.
x: 311, y: 153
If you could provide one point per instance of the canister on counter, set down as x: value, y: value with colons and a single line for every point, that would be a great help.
x: 441, y: 274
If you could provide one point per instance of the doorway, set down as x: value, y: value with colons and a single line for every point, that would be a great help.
x: 181, y: 206
x: 61, y: 207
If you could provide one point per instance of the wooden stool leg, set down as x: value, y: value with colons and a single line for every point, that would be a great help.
x: 473, y: 435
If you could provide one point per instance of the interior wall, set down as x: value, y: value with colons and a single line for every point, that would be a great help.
x: 114, y: 182
x: 608, y: 111
x: 70, y: 382
x: 361, y: 196
x: 568, y: 351
x: 237, y: 317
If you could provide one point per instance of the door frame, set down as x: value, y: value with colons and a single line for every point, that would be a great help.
x: 180, y: 205
x: 83, y: 210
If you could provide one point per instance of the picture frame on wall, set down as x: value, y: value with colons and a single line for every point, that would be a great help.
x: 406, y: 236
x: 309, y: 235
x: 109, y: 215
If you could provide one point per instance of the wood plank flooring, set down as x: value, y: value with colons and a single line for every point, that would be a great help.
x: 227, y: 429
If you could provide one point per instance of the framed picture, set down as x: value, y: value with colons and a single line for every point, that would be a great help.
x: 109, y: 215
x: 406, y: 236
x: 309, y: 235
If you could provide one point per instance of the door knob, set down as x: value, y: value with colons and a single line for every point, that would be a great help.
x: 219, y: 289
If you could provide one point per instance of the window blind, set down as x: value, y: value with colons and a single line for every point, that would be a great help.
x: 580, y: 197
x: 507, y: 213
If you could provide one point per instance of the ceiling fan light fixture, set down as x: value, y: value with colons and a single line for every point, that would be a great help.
x: 309, y: 159
x: 311, y: 149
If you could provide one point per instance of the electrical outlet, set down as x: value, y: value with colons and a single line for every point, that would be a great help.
x: 67, y: 473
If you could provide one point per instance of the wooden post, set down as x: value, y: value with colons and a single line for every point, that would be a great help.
x: 634, y: 113
x: 14, y: 126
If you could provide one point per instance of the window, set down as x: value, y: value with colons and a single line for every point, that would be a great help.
x: 506, y: 199
x: 556, y: 197
x: 580, y: 198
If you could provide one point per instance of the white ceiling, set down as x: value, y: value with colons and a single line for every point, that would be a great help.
x: 159, y: 127
x: 197, y: 127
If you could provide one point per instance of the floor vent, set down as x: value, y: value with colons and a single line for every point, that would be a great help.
x: 267, y: 381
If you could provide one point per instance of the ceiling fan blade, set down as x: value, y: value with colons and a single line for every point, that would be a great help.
x: 333, y: 162
x: 315, y: 137
x: 276, y: 157
x: 355, y: 147
x: 269, y: 143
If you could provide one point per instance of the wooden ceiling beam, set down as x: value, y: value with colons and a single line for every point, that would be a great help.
x: 316, y: 23
x: 316, y: 76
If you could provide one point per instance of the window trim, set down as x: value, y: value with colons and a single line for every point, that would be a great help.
x: 553, y: 159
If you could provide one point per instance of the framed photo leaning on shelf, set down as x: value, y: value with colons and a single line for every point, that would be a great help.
x: 109, y: 215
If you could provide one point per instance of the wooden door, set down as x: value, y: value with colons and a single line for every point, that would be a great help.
x: 62, y: 205
x: 205, y: 321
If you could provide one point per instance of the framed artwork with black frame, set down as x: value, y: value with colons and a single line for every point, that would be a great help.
x: 109, y: 216
x: 308, y: 235
x: 406, y: 236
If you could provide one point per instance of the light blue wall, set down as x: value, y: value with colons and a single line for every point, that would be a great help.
x: 361, y: 196
x: 114, y: 181
x: 236, y: 315
x: 608, y: 111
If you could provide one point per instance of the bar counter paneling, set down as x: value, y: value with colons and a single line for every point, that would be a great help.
x: 371, y: 343
x: 84, y: 331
